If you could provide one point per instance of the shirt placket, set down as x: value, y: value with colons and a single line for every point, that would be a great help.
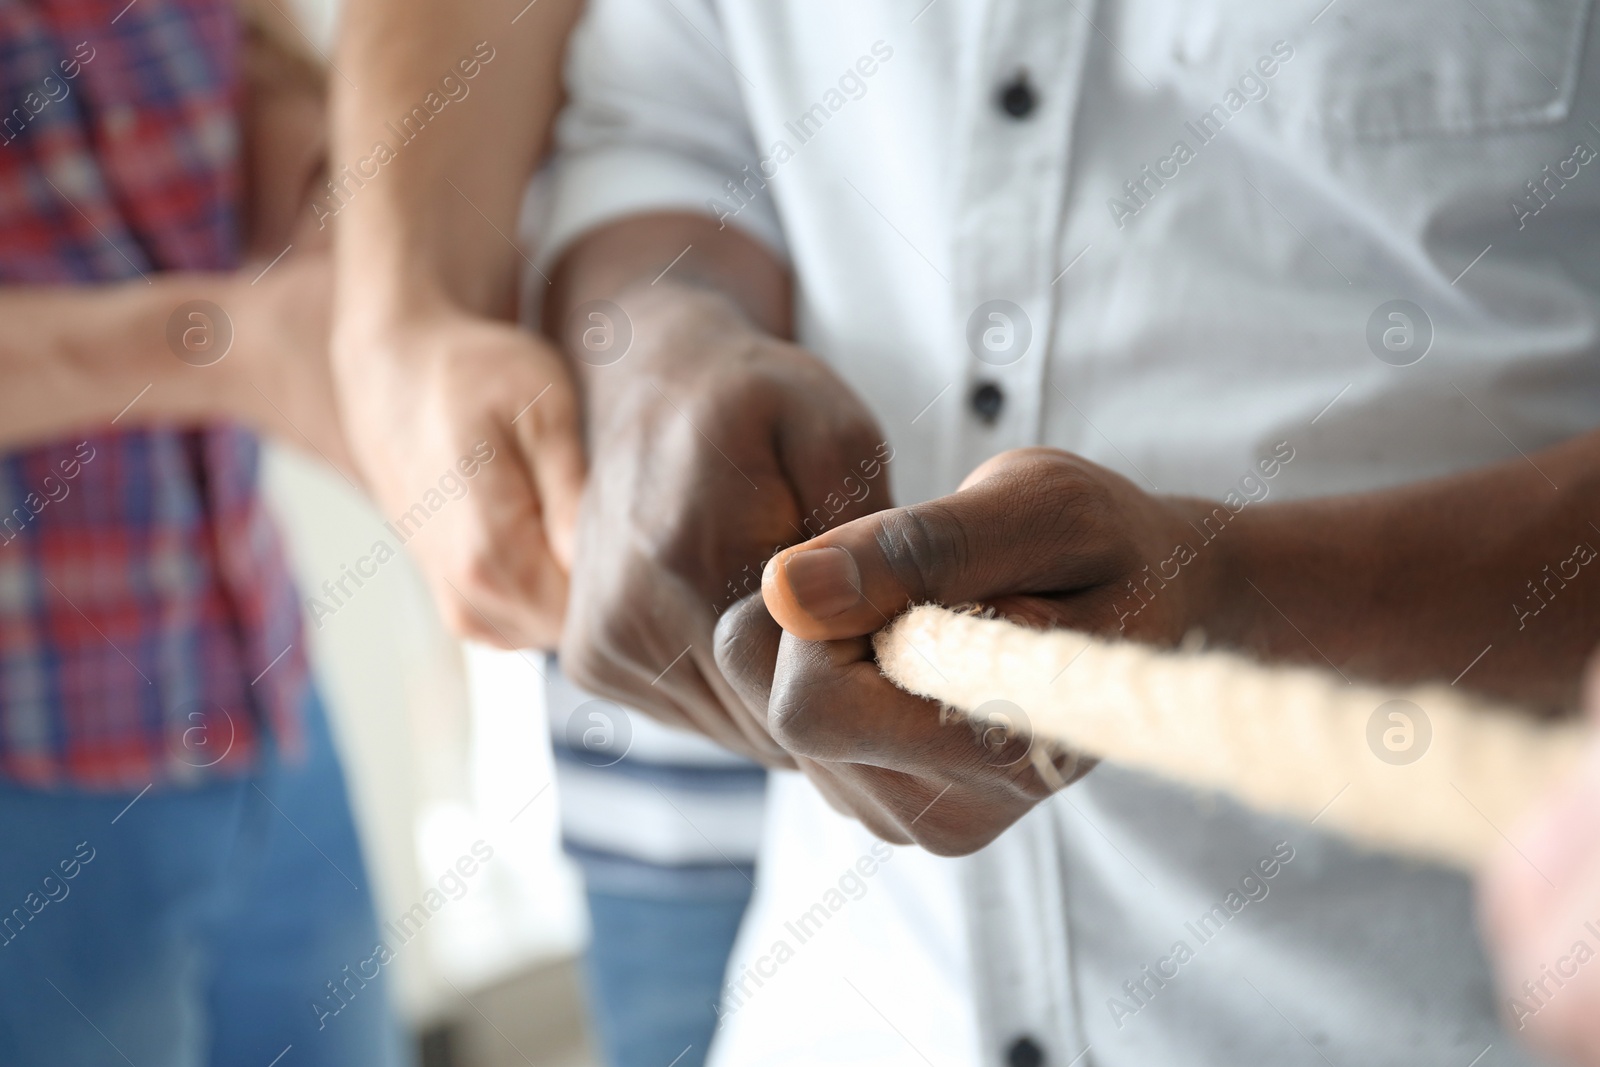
x: 1020, y: 946
x: 1012, y: 194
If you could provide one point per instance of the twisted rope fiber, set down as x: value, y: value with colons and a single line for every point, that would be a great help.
x: 1289, y: 741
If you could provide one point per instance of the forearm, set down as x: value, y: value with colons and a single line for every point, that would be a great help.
x: 75, y: 358
x: 433, y: 224
x: 1494, y: 570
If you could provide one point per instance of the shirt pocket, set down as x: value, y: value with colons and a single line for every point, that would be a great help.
x: 1390, y: 70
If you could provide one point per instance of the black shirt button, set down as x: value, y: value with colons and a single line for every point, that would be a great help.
x: 1017, y: 97
x: 1024, y: 1052
x: 986, y: 401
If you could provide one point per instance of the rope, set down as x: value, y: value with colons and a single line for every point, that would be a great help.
x: 1424, y: 770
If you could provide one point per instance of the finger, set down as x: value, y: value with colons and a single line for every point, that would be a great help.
x: 479, y: 608
x: 469, y: 623
x: 624, y: 655
x: 941, y: 817
x: 734, y: 709
x: 747, y: 642
x: 691, y: 677
x: 675, y: 693
x: 830, y: 702
x: 623, y: 682
x: 519, y: 593
x: 484, y: 617
x: 509, y: 563
x: 946, y: 819
x: 489, y: 579
x: 746, y: 647
x: 548, y: 438
x: 850, y: 799
x: 1023, y: 528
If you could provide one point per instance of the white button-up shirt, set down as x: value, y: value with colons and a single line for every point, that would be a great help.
x: 1181, y: 238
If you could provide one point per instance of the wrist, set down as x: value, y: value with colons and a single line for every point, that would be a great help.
x: 189, y: 324
x: 393, y: 263
x: 675, y: 307
x: 1260, y: 570
x: 1218, y: 540
x: 374, y: 302
x: 680, y: 337
x: 171, y: 345
x: 231, y: 386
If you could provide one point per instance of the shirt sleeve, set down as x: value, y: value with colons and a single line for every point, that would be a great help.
x: 655, y: 121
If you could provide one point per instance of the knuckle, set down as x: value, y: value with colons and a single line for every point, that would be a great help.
x: 710, y: 407
x: 793, y: 728
x: 1051, y: 461
x: 1059, y: 480
x: 556, y: 411
x: 1067, y: 502
x: 588, y: 649
x: 675, y: 546
x: 919, y: 544
x: 613, y: 637
x: 733, y: 638
x: 744, y: 392
x: 1036, y: 470
x: 477, y: 573
x: 798, y: 723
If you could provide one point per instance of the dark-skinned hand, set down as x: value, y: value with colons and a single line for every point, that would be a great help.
x: 711, y: 446
x: 1040, y: 536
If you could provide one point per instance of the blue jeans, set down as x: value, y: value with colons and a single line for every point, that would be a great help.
x: 197, y: 927
x: 655, y: 970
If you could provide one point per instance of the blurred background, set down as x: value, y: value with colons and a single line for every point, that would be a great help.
x: 446, y: 745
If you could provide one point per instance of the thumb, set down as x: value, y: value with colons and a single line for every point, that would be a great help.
x: 1012, y: 531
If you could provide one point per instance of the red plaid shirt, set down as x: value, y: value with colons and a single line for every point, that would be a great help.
x: 149, y: 631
